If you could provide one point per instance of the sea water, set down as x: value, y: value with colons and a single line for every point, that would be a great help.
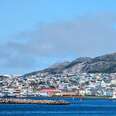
x: 78, y: 107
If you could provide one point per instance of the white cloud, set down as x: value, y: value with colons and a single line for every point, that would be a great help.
x: 88, y: 35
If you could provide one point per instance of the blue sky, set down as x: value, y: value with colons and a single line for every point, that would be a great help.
x: 36, y: 33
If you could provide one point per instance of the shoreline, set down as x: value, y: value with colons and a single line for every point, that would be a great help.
x: 83, y: 97
x: 67, y: 96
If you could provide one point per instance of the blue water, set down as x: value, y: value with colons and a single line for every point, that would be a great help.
x: 85, y: 107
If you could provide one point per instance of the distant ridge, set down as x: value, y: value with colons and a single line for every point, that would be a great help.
x: 101, y: 64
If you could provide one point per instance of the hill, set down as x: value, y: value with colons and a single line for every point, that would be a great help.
x: 101, y: 64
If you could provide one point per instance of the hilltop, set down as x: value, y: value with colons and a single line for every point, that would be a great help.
x: 101, y: 64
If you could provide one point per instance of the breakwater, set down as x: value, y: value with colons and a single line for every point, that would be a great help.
x: 29, y: 101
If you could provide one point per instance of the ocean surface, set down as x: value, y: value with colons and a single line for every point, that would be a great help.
x: 79, y: 107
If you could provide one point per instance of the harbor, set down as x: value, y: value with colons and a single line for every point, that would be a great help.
x: 78, y: 107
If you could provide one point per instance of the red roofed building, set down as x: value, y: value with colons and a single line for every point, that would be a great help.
x: 49, y: 91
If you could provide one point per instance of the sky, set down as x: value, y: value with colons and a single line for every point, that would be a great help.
x: 35, y: 34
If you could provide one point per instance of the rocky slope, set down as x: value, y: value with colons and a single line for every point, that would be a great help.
x: 101, y: 64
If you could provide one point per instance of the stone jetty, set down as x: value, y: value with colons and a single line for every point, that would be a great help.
x: 29, y: 101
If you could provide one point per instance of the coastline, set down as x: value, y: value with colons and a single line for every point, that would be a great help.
x: 83, y: 97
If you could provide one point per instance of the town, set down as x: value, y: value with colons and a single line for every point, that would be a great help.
x: 83, y: 84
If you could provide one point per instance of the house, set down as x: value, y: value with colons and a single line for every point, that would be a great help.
x: 82, y: 92
x: 48, y: 91
x: 108, y: 92
x: 114, y: 94
x: 68, y: 93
